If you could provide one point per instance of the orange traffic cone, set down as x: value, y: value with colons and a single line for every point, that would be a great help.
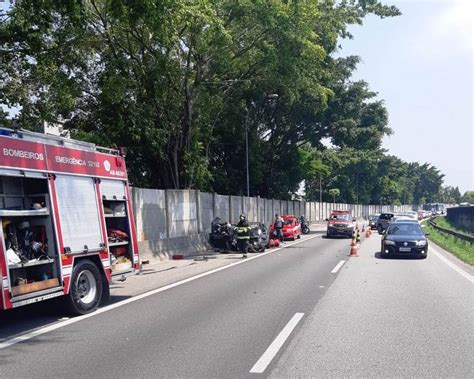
x: 353, y: 252
x: 367, y: 233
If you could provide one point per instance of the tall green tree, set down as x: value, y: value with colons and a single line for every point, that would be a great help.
x: 179, y: 82
x: 468, y: 197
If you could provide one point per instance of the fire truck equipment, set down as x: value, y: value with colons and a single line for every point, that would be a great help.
x: 116, y: 235
x: 108, y: 211
x: 119, y: 251
x: 12, y: 257
x: 119, y: 209
x: 66, y: 220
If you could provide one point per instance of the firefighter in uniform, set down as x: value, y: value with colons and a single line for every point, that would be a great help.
x: 243, y: 235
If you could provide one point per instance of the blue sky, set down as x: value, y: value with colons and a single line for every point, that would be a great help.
x: 421, y: 64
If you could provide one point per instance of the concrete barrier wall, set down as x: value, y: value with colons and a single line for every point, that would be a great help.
x: 269, y: 214
x: 206, y: 211
x: 261, y: 210
x: 462, y: 217
x: 222, y: 209
x: 251, y: 208
x: 277, y: 208
x: 179, y: 221
x: 183, y: 212
x: 235, y: 208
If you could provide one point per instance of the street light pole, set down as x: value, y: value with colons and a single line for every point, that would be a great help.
x: 320, y: 197
x: 272, y: 96
x: 247, y: 152
x: 357, y: 193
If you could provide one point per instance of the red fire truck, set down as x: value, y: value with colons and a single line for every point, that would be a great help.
x: 67, y: 222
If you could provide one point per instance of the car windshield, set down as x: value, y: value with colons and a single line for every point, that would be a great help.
x: 340, y: 217
x: 374, y: 218
x: 404, y: 229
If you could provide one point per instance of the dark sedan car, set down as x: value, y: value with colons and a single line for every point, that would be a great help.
x: 404, y: 238
x: 373, y: 221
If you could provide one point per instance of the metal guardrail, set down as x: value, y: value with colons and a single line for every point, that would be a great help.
x: 462, y: 236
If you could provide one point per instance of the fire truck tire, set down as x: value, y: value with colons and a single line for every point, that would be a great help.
x: 86, y: 289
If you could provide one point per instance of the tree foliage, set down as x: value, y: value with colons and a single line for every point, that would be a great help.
x: 179, y: 83
x: 468, y: 197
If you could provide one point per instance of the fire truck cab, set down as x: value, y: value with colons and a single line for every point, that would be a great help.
x: 66, y: 221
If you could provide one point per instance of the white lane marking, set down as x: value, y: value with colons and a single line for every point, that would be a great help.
x: 338, y: 266
x: 50, y: 328
x: 452, y: 265
x: 276, y: 345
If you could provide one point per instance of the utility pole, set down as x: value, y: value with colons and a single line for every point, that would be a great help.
x: 272, y: 96
x: 320, y: 196
x: 247, y: 151
x: 357, y: 193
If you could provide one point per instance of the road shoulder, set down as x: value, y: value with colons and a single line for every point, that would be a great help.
x: 452, y: 258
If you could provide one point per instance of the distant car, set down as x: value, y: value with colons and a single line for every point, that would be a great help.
x: 291, y: 227
x: 405, y: 238
x: 373, y: 221
x: 410, y: 214
x: 383, y: 221
x: 340, y: 223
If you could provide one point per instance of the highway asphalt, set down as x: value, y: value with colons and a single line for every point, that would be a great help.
x: 388, y: 318
x: 296, y: 312
x: 216, y: 326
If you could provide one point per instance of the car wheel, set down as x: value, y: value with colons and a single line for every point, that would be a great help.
x: 86, y: 288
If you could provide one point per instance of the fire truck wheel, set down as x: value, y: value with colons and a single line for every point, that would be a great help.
x: 86, y: 288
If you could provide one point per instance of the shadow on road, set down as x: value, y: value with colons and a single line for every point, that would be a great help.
x: 24, y: 319
x: 378, y: 255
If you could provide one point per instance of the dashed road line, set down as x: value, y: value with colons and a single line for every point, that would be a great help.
x: 276, y: 345
x: 338, y: 266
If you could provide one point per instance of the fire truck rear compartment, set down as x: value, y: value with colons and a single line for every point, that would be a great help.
x: 28, y: 237
x: 118, y: 234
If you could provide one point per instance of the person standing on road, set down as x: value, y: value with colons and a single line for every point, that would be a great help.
x: 278, y: 226
x: 243, y: 235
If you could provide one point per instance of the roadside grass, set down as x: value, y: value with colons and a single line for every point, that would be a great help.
x: 460, y: 248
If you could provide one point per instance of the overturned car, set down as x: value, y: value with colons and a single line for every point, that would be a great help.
x: 259, y: 237
x: 223, y: 236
